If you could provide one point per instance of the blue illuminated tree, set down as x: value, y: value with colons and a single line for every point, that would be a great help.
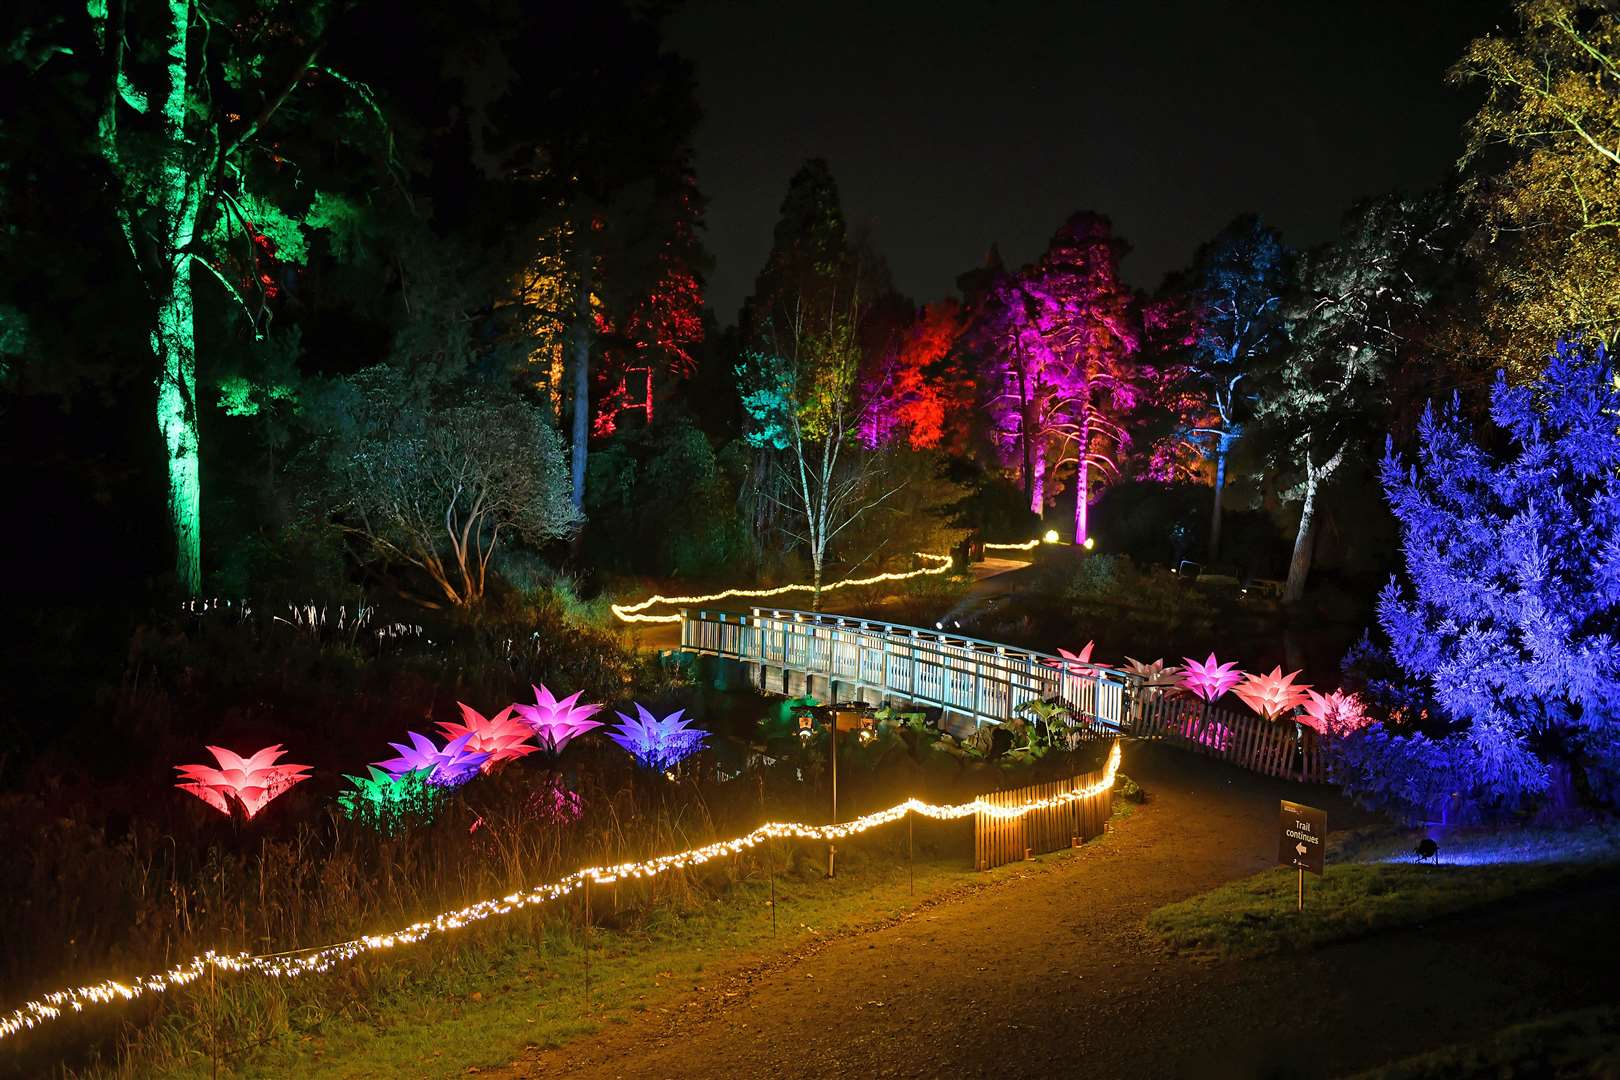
x: 1510, y: 609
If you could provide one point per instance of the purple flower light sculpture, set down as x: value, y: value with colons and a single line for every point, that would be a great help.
x: 658, y: 744
x: 1210, y: 680
x: 555, y: 721
x: 449, y: 766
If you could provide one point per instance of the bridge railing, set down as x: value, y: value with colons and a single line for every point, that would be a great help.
x: 980, y: 680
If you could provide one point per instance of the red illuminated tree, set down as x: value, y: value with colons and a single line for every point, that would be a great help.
x: 916, y: 383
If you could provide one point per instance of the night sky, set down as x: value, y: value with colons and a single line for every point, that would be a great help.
x: 951, y: 126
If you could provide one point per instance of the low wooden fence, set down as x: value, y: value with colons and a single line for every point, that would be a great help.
x: 1279, y: 748
x: 998, y: 841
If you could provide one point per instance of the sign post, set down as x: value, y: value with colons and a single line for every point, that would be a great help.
x: 1301, y: 836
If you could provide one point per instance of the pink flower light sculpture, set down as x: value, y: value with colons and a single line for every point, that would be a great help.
x: 1210, y: 680
x: 450, y: 766
x: 556, y: 721
x: 501, y: 737
x: 1157, y: 676
x: 1075, y: 663
x: 250, y: 782
x: 1272, y: 695
x: 1336, y: 714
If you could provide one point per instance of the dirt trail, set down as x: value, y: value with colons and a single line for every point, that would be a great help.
x: 1049, y: 972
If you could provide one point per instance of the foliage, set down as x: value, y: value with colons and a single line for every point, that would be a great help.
x: 1509, y: 610
x: 658, y: 744
x: 247, y: 783
x: 1543, y: 148
x: 438, y: 487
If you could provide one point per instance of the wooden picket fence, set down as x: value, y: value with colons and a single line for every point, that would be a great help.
x: 998, y: 841
x: 1279, y: 748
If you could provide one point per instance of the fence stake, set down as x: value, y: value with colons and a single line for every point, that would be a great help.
x: 587, y: 944
x: 213, y: 1019
x: 911, y: 866
x: 773, y: 895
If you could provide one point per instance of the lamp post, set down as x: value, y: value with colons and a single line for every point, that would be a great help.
x: 807, y: 718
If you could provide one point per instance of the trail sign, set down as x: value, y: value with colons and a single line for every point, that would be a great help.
x: 1301, y: 837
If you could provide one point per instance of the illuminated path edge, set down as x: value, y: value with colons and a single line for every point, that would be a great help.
x: 321, y: 958
x: 632, y: 613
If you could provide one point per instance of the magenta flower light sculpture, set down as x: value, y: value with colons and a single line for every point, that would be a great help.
x: 251, y: 782
x: 556, y: 721
x: 1273, y: 694
x: 448, y: 766
x: 501, y: 737
x: 1209, y: 680
x: 1336, y: 714
x: 658, y: 744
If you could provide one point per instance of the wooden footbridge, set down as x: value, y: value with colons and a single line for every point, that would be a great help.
x: 973, y: 682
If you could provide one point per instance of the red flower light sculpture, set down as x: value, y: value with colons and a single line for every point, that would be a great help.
x: 250, y: 782
x: 1210, y: 680
x: 556, y: 721
x: 500, y: 736
x: 1336, y: 714
x: 1272, y: 695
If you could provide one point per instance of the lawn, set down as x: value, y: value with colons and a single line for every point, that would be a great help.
x: 480, y: 1006
x: 1584, y: 1043
x: 1379, y: 885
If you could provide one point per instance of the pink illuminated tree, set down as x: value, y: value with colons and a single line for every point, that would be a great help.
x: 1273, y: 694
x: 555, y: 721
x: 501, y: 737
x: 250, y: 783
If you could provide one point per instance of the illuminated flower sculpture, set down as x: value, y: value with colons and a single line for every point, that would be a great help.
x: 501, y: 737
x: 1210, y: 680
x: 1336, y: 714
x: 1156, y: 676
x: 555, y: 721
x: 1075, y: 663
x: 1272, y: 695
x: 658, y: 744
x: 249, y: 782
x: 450, y: 766
x: 387, y: 802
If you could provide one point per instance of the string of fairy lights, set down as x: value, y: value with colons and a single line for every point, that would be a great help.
x: 291, y: 964
x: 633, y: 613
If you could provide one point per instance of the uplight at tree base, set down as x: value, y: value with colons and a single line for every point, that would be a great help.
x: 285, y: 965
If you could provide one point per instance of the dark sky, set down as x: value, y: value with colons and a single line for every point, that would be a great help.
x: 949, y: 125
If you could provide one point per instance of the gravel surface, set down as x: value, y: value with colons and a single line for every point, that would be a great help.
x: 1047, y: 971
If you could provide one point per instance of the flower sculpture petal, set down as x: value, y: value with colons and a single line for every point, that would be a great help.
x: 1165, y: 678
x: 1336, y: 714
x: 387, y: 802
x: 450, y: 766
x: 250, y: 783
x: 658, y: 744
x: 1075, y: 663
x: 1274, y: 694
x: 555, y: 722
x: 1209, y: 680
x: 500, y: 736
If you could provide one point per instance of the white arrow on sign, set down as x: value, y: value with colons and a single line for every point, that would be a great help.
x: 1302, y: 849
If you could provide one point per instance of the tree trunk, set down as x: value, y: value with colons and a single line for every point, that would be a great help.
x: 1299, y: 567
x: 1215, y: 512
x: 174, y: 345
x: 579, y: 343
x: 1037, y: 489
x: 815, y: 601
x: 1082, y: 486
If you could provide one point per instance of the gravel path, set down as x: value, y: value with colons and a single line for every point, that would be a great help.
x: 1049, y: 972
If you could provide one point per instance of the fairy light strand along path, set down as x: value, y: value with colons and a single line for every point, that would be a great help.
x: 284, y: 965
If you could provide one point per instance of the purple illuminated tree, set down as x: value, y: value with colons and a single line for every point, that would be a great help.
x: 1510, y: 605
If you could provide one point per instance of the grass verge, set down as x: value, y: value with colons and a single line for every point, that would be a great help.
x: 482, y: 1006
x: 1584, y: 1043
x: 1383, y: 890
